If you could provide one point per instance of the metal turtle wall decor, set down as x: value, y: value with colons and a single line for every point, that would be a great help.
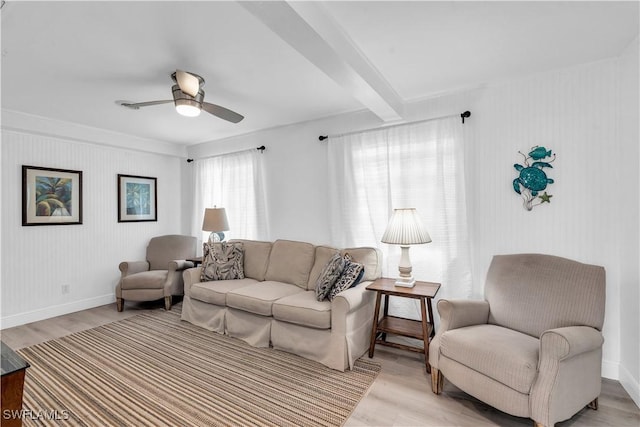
x: 532, y: 178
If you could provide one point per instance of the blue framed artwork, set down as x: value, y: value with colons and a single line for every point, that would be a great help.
x: 51, y: 196
x: 137, y: 198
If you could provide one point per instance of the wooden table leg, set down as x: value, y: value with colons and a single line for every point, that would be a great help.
x: 431, y: 322
x: 383, y: 335
x: 425, y: 334
x: 374, y: 327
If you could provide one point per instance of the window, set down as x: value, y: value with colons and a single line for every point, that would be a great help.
x: 418, y: 166
x: 234, y: 182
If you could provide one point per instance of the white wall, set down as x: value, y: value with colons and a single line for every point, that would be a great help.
x: 630, y: 222
x: 38, y: 260
x: 574, y: 112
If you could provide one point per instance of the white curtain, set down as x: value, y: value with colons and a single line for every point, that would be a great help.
x: 234, y: 182
x: 420, y: 166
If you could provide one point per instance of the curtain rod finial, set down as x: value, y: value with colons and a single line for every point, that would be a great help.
x: 189, y: 160
x: 465, y: 115
x: 323, y: 137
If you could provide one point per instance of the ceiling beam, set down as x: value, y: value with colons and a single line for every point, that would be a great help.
x: 314, y: 33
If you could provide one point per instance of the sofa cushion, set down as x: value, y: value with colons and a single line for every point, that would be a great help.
x: 290, y: 262
x: 330, y: 275
x: 351, y: 276
x: 507, y: 356
x: 256, y: 258
x: 371, y: 258
x: 323, y: 255
x: 216, y: 292
x: 222, y: 261
x: 259, y: 297
x: 154, y: 279
x: 303, y: 309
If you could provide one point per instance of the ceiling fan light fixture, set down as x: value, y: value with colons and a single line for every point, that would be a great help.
x: 186, y: 104
x: 187, y: 108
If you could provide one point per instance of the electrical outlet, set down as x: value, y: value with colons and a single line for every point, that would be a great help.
x: 65, y: 289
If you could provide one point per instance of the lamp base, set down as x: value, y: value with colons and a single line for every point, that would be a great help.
x: 406, y: 282
x: 216, y: 237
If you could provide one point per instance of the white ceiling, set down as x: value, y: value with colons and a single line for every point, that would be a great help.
x: 283, y: 62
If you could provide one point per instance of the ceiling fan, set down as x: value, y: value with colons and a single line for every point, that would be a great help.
x: 188, y: 98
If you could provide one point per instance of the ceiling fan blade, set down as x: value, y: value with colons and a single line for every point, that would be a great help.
x: 187, y: 82
x: 223, y: 113
x: 137, y: 105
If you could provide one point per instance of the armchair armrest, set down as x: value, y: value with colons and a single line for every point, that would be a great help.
x: 179, y: 264
x: 569, y: 370
x: 132, y: 267
x: 460, y: 313
x: 563, y: 343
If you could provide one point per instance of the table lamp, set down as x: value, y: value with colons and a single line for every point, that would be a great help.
x: 404, y: 229
x: 215, y: 221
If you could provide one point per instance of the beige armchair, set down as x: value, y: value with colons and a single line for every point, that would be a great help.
x: 160, y: 276
x: 533, y: 347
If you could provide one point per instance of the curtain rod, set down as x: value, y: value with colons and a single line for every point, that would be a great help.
x: 464, y: 115
x: 261, y: 149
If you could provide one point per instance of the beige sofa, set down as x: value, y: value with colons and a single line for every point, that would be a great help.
x: 275, y: 304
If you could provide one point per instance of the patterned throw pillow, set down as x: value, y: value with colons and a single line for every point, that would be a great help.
x: 329, y: 275
x: 351, y: 276
x: 222, y: 261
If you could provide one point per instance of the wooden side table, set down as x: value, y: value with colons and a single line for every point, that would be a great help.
x: 420, y: 329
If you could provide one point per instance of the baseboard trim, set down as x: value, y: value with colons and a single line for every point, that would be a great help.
x: 57, y: 310
x: 630, y: 384
x: 610, y: 370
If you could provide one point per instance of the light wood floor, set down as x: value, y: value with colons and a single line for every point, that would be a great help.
x: 400, y: 396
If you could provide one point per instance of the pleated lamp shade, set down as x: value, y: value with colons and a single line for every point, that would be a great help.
x: 405, y: 228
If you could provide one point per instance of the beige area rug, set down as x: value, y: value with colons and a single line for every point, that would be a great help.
x: 155, y: 370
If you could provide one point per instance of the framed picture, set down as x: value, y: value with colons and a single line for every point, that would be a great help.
x: 137, y: 198
x: 51, y: 196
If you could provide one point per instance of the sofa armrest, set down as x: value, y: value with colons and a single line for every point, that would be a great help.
x: 569, y: 373
x: 353, y: 298
x: 191, y: 276
x: 351, y: 302
x: 460, y: 313
x: 131, y: 267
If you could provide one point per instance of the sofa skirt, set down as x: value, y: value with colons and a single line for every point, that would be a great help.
x: 314, y: 344
x: 251, y: 328
x: 208, y: 316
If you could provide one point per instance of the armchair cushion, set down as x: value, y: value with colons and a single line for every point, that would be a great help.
x: 163, y: 249
x: 154, y: 279
x: 507, y: 356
